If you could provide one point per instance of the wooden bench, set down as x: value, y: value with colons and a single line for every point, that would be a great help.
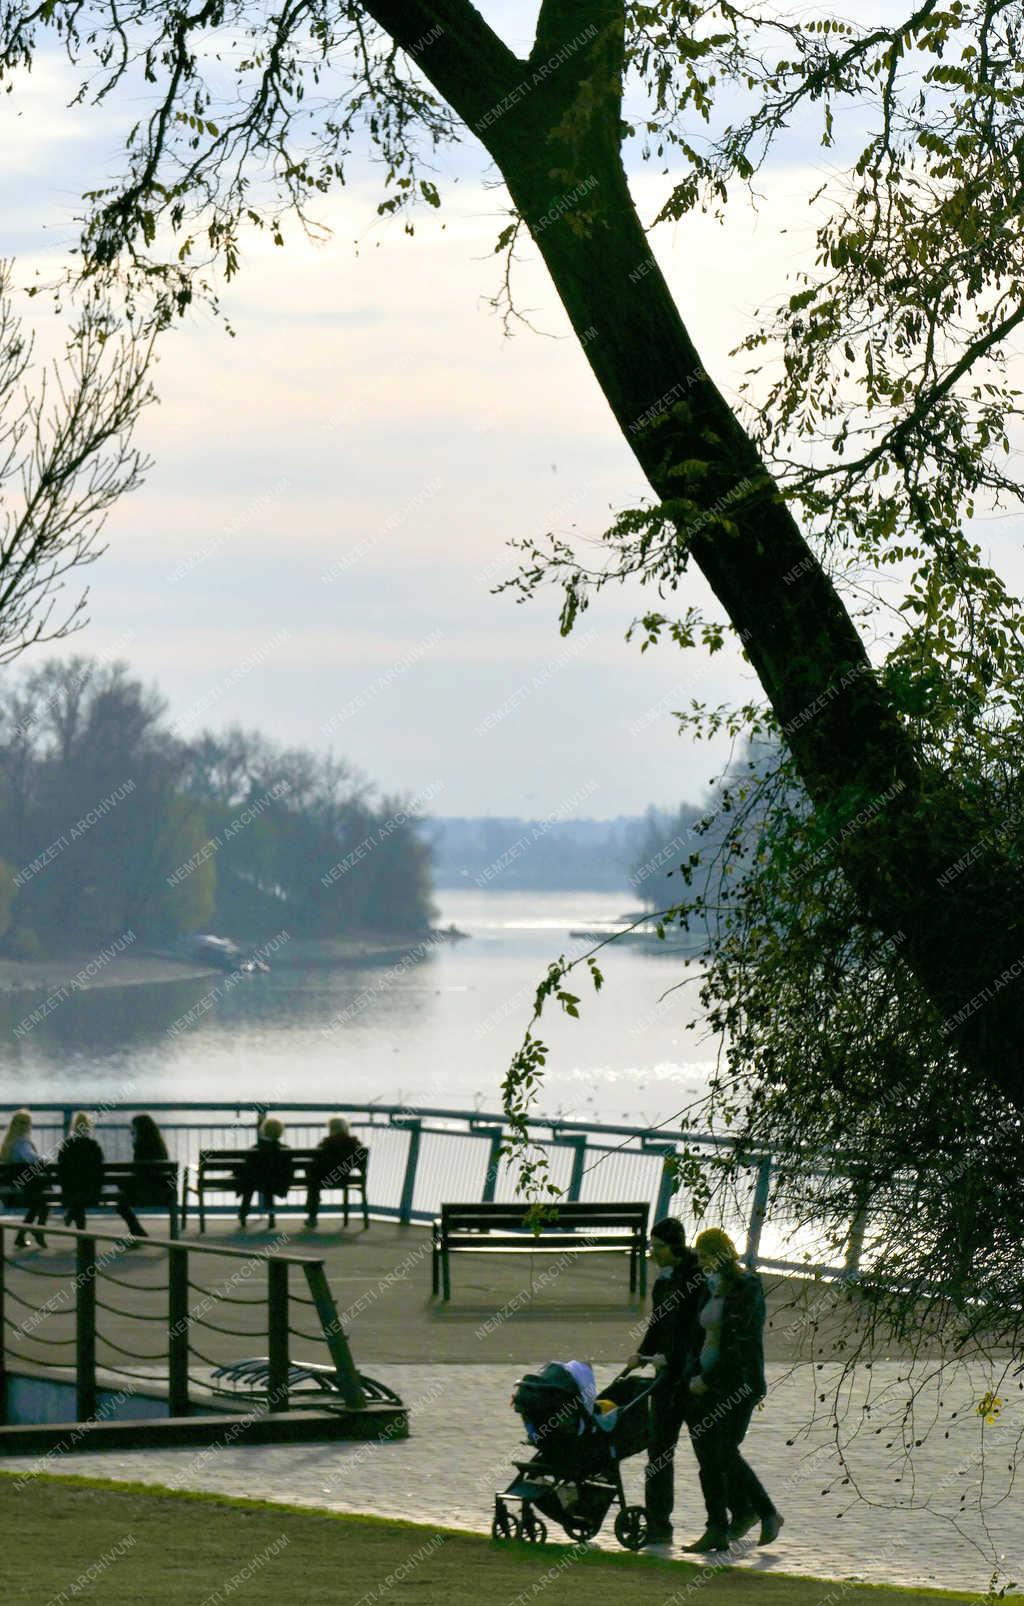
x: 579, y: 1228
x: 219, y: 1172
x: 118, y: 1176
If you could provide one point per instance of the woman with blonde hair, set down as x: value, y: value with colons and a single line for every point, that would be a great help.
x: 28, y: 1186
x: 727, y: 1383
x: 268, y: 1168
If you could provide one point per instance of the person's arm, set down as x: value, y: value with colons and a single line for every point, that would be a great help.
x: 650, y: 1344
x: 740, y: 1335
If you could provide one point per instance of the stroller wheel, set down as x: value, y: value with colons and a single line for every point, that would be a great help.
x: 631, y: 1527
x: 532, y: 1529
x: 505, y: 1525
x: 580, y: 1528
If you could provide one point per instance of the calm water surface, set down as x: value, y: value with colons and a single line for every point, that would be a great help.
x: 438, y: 1031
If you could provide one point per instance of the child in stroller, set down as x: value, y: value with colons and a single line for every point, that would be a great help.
x: 580, y: 1443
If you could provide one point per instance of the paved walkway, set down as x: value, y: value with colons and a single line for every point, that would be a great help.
x: 921, y: 1525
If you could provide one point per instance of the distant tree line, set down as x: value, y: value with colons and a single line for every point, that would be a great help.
x: 695, y: 853
x: 638, y: 856
x: 506, y: 853
x: 110, y: 822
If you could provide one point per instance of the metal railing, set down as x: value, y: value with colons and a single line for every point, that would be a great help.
x: 85, y: 1295
x: 423, y: 1157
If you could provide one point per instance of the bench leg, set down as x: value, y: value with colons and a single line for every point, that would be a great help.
x: 366, y: 1209
x: 202, y: 1214
x: 445, y: 1275
x: 172, y: 1217
x: 435, y: 1269
x: 344, y: 1206
x: 271, y: 1219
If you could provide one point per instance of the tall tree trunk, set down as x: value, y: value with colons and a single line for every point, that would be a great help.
x: 552, y: 125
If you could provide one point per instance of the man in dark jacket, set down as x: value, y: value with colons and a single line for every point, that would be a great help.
x: 676, y: 1297
x: 337, y: 1156
x: 80, y: 1171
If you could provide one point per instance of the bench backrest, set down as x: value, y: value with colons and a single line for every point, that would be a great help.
x: 115, y: 1172
x: 508, y: 1218
x: 223, y: 1165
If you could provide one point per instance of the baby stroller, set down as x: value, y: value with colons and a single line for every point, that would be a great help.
x: 575, y: 1475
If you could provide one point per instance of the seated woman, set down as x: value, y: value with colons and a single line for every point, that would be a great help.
x: 147, y: 1144
x: 338, y: 1154
x: 268, y: 1169
x: 29, y: 1187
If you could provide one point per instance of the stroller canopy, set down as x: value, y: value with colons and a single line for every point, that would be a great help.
x: 553, y: 1403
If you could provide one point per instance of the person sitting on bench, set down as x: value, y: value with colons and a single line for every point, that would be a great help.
x: 267, y: 1169
x: 147, y: 1144
x: 30, y: 1184
x: 337, y: 1154
x: 79, y: 1171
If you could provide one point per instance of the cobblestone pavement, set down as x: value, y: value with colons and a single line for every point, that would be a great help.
x: 869, y: 1517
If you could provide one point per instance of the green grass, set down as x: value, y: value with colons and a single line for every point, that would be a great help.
x: 74, y: 1539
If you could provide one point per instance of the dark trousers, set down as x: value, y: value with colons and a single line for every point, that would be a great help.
x: 665, y: 1414
x: 74, y: 1216
x: 38, y: 1210
x: 129, y: 1217
x: 313, y: 1198
x: 717, y: 1428
x: 266, y: 1201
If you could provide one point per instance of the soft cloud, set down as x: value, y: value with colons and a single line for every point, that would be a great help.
x: 343, y: 478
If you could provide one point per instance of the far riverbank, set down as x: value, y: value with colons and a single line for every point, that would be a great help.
x: 147, y: 968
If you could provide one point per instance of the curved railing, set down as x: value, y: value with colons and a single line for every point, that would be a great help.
x: 422, y: 1157
x: 58, y: 1314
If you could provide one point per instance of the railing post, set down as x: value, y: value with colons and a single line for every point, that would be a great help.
x: 669, y: 1184
x: 85, y: 1328
x: 493, y: 1165
x: 177, y: 1332
x: 758, y: 1211
x: 579, y: 1147
x: 334, y: 1336
x: 277, y: 1334
x: 415, y: 1131
x: 855, y: 1242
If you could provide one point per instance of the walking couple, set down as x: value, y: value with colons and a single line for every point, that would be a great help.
x: 706, y: 1340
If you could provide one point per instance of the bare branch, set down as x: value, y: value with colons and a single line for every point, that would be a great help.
x: 65, y: 459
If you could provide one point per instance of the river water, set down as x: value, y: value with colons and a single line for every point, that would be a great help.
x: 437, y: 1030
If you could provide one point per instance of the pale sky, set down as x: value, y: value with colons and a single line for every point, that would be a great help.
x: 334, y: 489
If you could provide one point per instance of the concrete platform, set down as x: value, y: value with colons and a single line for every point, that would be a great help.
x: 504, y: 1307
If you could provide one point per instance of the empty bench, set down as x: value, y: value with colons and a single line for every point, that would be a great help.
x: 578, y: 1228
x: 219, y: 1171
x: 153, y: 1180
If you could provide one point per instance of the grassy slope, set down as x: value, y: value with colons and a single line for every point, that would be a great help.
x: 164, y: 1547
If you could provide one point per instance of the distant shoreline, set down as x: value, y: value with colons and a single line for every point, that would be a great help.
x: 148, y: 969
x: 126, y: 970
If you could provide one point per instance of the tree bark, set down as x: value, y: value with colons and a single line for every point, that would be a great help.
x: 552, y: 125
